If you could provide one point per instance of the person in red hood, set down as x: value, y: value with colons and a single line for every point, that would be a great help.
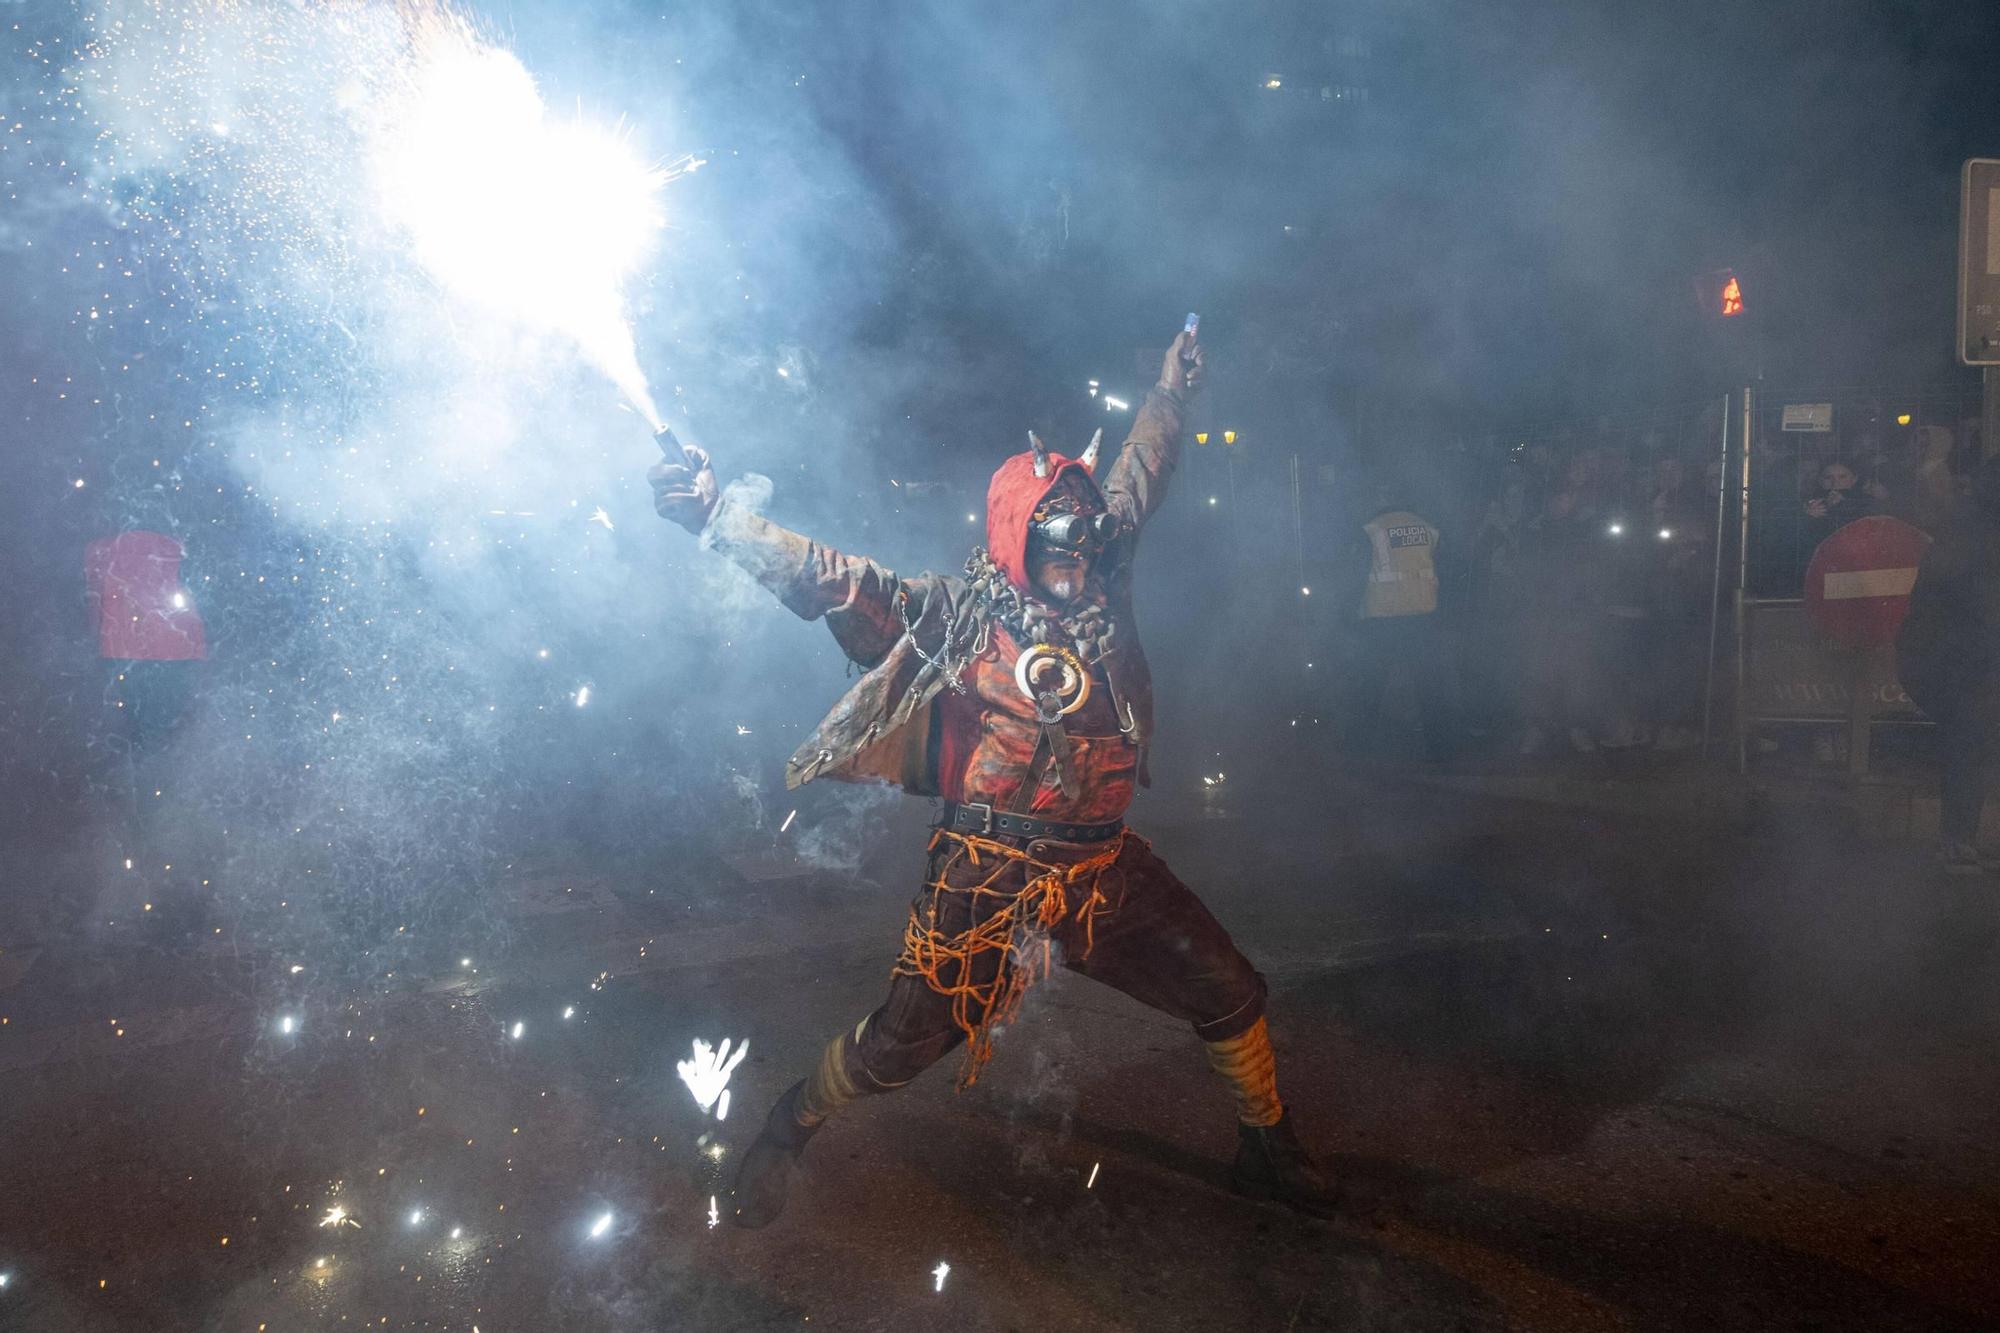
x: 149, y: 631
x: 1018, y: 694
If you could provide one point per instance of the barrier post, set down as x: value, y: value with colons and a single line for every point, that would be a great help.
x: 1715, y: 585
x: 1744, y: 434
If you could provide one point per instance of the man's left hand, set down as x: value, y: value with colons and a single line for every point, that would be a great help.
x: 1181, y: 371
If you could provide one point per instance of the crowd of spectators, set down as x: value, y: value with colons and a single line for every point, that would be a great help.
x: 1577, y: 577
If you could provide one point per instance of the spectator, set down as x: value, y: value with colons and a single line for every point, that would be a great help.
x: 1839, y: 499
x: 148, y: 630
x: 1948, y: 658
x: 1397, y: 634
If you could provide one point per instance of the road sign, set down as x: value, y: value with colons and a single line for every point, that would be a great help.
x: 1807, y: 417
x: 1858, y: 584
x: 1979, y: 263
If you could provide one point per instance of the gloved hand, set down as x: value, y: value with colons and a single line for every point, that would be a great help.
x: 683, y: 483
x: 1181, y: 371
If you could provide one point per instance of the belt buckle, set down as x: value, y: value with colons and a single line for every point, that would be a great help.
x: 985, y: 809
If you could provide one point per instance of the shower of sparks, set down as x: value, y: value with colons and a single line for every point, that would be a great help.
x: 707, y: 1072
x: 386, y: 154
x: 538, y: 220
x: 941, y: 1272
x: 714, y: 1214
x: 337, y: 1217
x: 1112, y: 404
x: 600, y: 1226
x: 601, y: 515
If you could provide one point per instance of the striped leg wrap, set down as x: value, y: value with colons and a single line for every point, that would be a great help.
x: 829, y: 1088
x: 1246, y: 1061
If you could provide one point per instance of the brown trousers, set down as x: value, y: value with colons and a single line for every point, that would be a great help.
x: 1131, y: 925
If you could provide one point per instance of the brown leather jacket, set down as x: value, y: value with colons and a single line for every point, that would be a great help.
x: 885, y: 727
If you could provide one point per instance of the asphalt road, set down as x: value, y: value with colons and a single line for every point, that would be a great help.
x: 1577, y: 1071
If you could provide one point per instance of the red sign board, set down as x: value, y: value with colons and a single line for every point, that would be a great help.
x: 1858, y: 584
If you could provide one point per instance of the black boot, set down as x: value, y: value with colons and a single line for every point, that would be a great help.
x: 765, y: 1176
x: 1272, y: 1164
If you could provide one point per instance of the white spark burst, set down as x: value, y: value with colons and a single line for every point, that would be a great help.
x: 707, y: 1072
x: 538, y: 219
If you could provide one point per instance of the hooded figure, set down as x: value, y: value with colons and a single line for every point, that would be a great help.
x: 1016, y: 692
x: 912, y: 637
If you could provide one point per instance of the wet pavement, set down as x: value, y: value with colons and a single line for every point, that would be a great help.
x: 1578, y: 1070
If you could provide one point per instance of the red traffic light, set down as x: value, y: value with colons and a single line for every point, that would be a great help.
x: 1732, y: 297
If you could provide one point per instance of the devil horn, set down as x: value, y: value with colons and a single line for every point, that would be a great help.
x: 1041, y: 452
x: 1089, y: 459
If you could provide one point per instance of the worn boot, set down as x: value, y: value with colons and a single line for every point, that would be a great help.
x: 765, y: 1177
x: 1272, y: 1164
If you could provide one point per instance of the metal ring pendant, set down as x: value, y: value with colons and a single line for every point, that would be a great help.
x: 1045, y: 669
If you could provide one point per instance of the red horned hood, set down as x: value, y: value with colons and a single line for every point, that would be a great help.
x: 1010, y: 502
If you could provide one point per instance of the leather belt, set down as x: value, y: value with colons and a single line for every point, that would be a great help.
x: 979, y: 818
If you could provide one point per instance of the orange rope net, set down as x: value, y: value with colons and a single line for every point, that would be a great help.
x: 1018, y: 932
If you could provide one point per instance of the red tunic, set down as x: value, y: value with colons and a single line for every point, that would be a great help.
x: 988, y: 737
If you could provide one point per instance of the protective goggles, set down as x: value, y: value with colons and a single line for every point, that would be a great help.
x: 1073, y: 534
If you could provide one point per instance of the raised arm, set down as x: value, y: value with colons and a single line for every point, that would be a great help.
x: 1137, y: 481
x: 857, y: 596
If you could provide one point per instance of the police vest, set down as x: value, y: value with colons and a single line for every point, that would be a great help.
x: 1402, y: 570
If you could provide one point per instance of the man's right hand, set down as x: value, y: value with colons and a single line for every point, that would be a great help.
x: 684, y: 491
